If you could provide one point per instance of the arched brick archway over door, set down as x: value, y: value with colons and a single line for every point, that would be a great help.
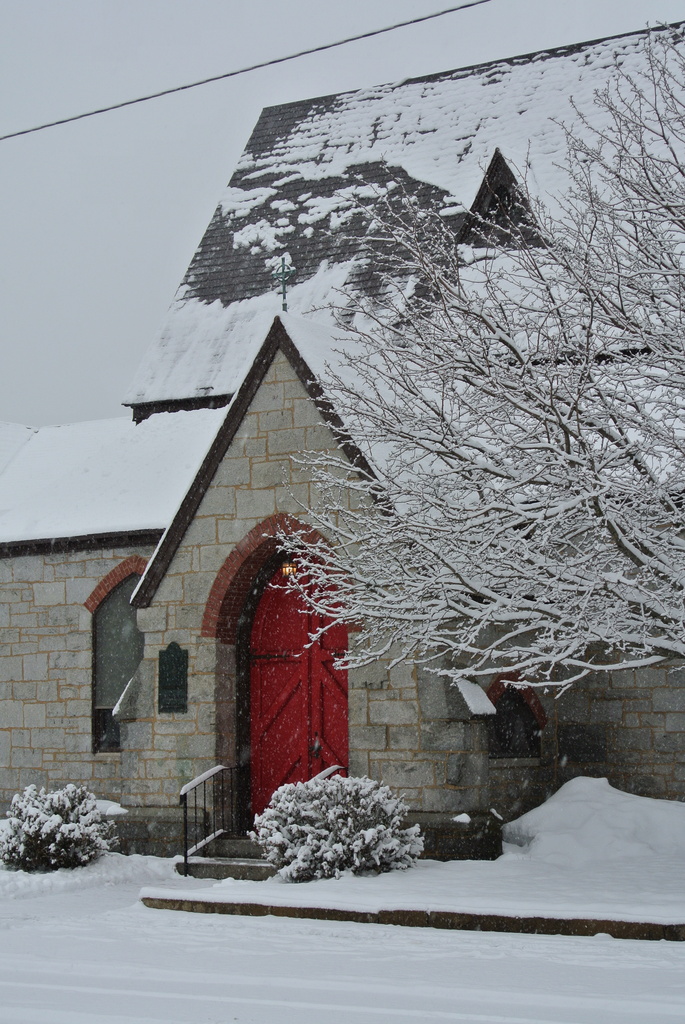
x: 242, y: 612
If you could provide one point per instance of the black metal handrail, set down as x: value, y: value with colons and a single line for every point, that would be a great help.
x: 209, y: 818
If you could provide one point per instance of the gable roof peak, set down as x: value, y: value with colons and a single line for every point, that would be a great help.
x: 289, y: 335
x: 500, y: 211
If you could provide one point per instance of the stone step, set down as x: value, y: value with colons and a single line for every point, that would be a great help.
x: 235, y: 846
x: 245, y: 868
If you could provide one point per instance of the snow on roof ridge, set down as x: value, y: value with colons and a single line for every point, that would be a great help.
x: 547, y: 53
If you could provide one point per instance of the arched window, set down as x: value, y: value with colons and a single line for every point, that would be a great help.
x: 516, y: 727
x: 117, y: 651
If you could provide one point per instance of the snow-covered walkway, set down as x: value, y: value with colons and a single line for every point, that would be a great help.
x: 79, y: 948
x: 511, y: 886
x: 590, y: 851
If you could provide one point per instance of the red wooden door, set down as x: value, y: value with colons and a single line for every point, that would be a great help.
x: 298, y: 700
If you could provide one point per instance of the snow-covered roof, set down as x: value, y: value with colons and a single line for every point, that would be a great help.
x: 113, y: 476
x: 308, y: 165
x: 318, y: 353
x: 100, y: 477
x: 12, y: 437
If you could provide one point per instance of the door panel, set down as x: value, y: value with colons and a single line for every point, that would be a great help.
x: 298, y: 699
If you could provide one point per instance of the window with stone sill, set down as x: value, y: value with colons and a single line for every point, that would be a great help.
x: 117, y: 651
x: 515, y: 730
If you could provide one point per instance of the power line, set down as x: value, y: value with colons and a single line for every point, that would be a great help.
x: 244, y: 71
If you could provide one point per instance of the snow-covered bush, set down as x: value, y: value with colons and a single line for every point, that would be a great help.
x: 320, y: 828
x: 46, y: 831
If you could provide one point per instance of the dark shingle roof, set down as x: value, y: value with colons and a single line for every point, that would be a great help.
x: 309, y: 165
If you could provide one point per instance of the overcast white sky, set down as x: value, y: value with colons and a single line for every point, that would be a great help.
x: 99, y: 219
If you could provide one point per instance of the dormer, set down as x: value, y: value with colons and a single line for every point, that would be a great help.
x: 500, y: 213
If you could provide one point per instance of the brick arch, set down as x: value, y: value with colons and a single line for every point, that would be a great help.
x: 499, y: 685
x: 234, y: 579
x: 134, y: 565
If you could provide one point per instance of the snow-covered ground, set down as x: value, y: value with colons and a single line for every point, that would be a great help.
x: 512, y: 886
x: 83, y: 950
x: 79, y: 948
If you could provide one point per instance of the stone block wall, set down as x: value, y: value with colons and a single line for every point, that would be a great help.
x: 408, y: 727
x: 256, y: 479
x: 402, y: 729
x: 411, y: 730
x: 46, y: 672
x: 629, y: 727
x: 517, y: 784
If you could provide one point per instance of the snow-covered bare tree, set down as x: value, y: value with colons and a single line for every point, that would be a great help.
x: 521, y: 399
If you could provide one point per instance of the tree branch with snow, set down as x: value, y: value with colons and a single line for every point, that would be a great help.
x: 521, y: 399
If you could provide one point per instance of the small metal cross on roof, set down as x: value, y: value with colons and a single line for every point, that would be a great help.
x: 283, y: 275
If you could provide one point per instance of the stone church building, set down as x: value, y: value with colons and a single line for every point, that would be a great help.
x: 145, y: 631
